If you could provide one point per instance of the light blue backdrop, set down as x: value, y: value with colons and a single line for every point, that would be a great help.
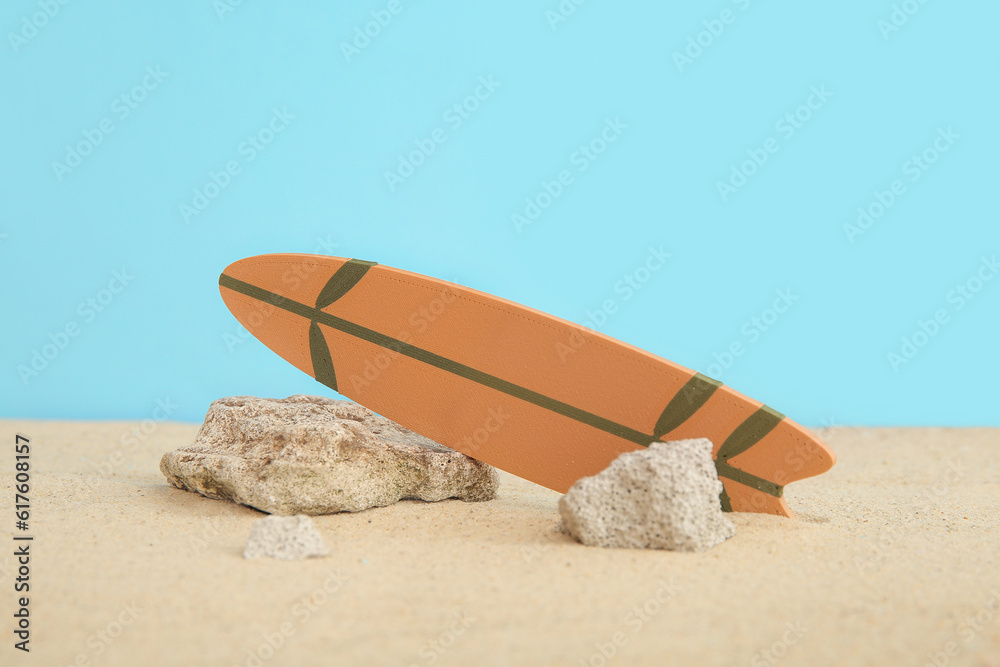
x: 740, y: 138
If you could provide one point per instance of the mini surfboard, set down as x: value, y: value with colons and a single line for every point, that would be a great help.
x: 543, y: 398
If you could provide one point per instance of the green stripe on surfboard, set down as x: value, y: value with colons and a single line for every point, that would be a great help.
x: 341, y: 282
x: 436, y: 360
x: 321, y: 359
x: 750, y: 432
x: 315, y: 315
x: 694, y: 394
x: 727, y: 504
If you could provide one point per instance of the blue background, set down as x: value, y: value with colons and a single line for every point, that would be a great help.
x: 320, y: 186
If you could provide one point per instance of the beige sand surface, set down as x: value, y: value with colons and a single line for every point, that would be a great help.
x: 894, y: 552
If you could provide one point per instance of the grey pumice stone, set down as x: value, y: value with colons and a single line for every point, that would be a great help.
x: 663, y: 497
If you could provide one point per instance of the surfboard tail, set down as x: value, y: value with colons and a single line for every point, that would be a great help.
x: 757, y: 449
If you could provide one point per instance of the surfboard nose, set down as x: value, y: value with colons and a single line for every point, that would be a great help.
x: 280, y: 299
x: 298, y: 277
x: 273, y: 297
x: 278, y: 329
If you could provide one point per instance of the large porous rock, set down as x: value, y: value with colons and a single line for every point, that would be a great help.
x: 314, y: 455
x: 662, y: 497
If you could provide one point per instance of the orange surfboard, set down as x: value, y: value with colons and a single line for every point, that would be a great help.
x: 538, y: 396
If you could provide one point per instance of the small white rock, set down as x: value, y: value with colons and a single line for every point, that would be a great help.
x: 285, y: 538
x: 662, y: 497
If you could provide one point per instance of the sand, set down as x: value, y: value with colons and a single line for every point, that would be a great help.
x: 892, y: 558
